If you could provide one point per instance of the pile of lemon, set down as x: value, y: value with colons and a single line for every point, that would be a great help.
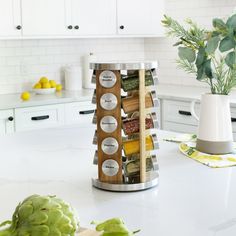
x: 44, y: 83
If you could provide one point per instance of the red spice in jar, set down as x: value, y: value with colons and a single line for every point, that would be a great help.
x: 131, y: 125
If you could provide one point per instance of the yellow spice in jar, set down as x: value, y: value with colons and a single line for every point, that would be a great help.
x: 132, y: 146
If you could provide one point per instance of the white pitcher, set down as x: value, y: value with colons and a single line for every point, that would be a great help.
x: 215, y: 128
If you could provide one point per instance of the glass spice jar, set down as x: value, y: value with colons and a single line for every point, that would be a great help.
x: 131, y: 104
x: 131, y: 125
x: 131, y: 81
x: 131, y: 147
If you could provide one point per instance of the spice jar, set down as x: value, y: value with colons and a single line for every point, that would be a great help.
x: 131, y: 125
x: 131, y: 104
x: 131, y: 147
x: 131, y: 81
x: 132, y: 167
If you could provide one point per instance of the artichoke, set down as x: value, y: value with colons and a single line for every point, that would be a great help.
x: 113, y: 227
x: 42, y: 216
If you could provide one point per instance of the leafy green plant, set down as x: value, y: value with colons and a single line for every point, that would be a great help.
x: 210, y: 55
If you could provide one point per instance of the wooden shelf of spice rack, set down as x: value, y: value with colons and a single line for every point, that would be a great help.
x: 126, y: 121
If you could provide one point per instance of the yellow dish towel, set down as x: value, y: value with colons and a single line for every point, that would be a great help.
x: 214, y: 161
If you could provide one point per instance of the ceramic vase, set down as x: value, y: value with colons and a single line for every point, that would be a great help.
x: 214, y: 128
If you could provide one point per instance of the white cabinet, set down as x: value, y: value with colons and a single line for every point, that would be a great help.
x: 93, y: 17
x: 79, y: 113
x: 39, y: 117
x: 45, y: 17
x: 10, y: 18
x: 6, y: 121
x: 140, y: 17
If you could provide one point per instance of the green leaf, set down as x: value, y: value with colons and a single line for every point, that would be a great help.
x: 212, y: 45
x: 200, y: 73
x: 207, y: 69
x: 200, y: 57
x: 186, y: 54
x: 231, y: 22
x: 219, y: 24
x: 226, y: 44
x: 230, y: 60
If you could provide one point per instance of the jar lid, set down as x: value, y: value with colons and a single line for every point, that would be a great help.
x: 95, y: 158
x: 155, y: 120
x: 94, y: 98
x: 110, y: 146
x: 110, y: 167
x: 154, y: 98
x: 94, y: 121
x: 108, y: 124
x: 154, y: 162
x: 108, y: 101
x: 154, y: 76
x: 155, y: 141
x: 95, y: 138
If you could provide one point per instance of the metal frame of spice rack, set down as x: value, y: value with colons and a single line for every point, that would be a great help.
x: 110, y: 175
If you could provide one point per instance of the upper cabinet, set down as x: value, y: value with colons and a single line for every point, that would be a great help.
x: 80, y: 18
x: 140, y: 17
x: 45, y: 18
x: 94, y: 17
x: 10, y: 18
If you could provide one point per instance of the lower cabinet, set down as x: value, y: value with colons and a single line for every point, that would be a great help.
x: 39, y: 117
x: 176, y: 116
x: 80, y: 113
x: 6, y: 121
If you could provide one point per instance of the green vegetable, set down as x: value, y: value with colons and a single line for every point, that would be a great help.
x: 42, y: 216
x: 113, y: 227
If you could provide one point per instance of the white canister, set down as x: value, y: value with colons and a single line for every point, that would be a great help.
x: 73, y: 78
x: 88, y: 73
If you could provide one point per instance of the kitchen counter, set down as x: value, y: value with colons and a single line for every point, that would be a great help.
x: 9, y: 101
x: 176, y: 92
x: 191, y: 199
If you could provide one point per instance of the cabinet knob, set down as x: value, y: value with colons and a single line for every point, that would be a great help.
x: 18, y: 27
x: 70, y: 27
x: 122, y: 27
x: 76, y: 27
x: 10, y: 118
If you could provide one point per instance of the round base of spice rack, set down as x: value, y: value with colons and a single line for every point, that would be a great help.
x: 125, y: 138
x: 125, y: 187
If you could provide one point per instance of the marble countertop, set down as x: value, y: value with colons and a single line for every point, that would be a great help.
x: 9, y: 101
x: 191, y: 199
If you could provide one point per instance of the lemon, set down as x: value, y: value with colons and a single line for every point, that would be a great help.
x: 37, y: 86
x: 58, y: 87
x: 46, y: 85
x: 53, y: 84
x: 43, y: 80
x: 25, y: 96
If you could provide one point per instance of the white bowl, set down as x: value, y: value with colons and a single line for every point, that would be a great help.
x: 45, y: 91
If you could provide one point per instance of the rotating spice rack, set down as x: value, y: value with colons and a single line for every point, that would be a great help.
x: 114, y: 162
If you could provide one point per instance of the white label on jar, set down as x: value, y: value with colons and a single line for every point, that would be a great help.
x: 107, y: 79
x: 108, y: 101
x: 110, y: 167
x: 108, y: 124
x: 110, y: 146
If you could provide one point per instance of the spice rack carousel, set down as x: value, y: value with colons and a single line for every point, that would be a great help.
x: 126, y: 119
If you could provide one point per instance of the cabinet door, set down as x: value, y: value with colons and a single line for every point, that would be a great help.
x: 94, y: 17
x: 6, y: 121
x: 10, y: 18
x: 45, y: 17
x: 140, y: 17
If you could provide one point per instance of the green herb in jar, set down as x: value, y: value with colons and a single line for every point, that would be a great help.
x: 131, y: 81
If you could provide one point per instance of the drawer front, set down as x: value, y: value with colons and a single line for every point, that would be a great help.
x: 182, y: 128
x: 39, y: 117
x: 233, y: 118
x: 6, y: 121
x: 80, y: 113
x: 179, y: 112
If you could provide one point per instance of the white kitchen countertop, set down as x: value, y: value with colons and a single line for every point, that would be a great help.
x: 191, y: 199
x: 9, y: 101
